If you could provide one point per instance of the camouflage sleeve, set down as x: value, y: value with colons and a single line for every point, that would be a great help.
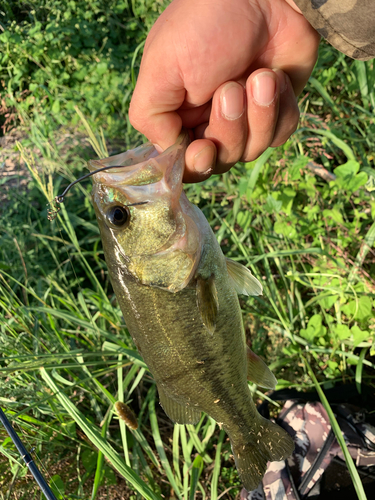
x: 348, y: 25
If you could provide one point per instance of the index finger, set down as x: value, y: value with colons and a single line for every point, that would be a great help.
x: 158, y: 94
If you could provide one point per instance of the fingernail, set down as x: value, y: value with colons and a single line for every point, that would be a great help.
x: 264, y: 88
x: 158, y: 148
x: 232, y: 99
x: 282, y: 79
x: 204, y: 160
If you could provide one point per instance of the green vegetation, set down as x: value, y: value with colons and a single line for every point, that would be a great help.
x: 66, y: 355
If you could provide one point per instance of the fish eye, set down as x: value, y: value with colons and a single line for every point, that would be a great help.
x: 118, y: 216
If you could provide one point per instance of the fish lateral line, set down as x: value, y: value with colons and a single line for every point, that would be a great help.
x: 54, y: 204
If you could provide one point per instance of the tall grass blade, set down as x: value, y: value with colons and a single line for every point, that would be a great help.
x: 99, y: 465
x: 258, y: 164
x: 140, y: 46
x: 347, y: 150
x: 217, y: 466
x: 99, y: 149
x: 120, y: 397
x: 196, y: 471
x: 187, y: 460
x: 360, y: 67
x: 322, y: 91
x: 176, y: 451
x: 359, y: 370
x: 367, y: 244
x: 199, y: 446
x: 160, y: 447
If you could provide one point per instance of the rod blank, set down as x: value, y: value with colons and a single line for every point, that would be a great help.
x: 43, y: 485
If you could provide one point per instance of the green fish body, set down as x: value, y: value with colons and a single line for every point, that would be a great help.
x: 178, y: 295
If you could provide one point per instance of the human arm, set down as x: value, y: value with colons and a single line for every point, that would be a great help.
x: 348, y: 25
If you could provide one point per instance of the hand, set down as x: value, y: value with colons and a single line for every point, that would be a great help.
x: 229, y: 71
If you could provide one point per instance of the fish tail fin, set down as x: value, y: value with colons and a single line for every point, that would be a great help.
x: 252, y: 452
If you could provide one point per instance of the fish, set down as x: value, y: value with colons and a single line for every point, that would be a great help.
x: 179, y: 298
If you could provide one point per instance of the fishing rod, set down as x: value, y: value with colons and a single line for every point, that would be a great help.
x: 43, y: 485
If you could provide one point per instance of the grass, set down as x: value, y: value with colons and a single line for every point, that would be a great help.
x: 66, y: 353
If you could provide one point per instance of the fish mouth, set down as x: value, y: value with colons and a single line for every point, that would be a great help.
x: 141, y: 166
x: 129, y: 158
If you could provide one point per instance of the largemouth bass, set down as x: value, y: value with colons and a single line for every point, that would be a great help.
x: 178, y: 295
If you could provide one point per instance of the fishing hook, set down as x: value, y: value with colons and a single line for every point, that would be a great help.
x: 55, y: 209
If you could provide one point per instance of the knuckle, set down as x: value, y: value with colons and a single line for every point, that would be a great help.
x: 252, y: 154
x: 221, y: 168
x: 283, y: 136
x: 224, y: 164
x: 256, y: 147
x: 279, y: 141
x: 288, y: 128
x: 229, y: 152
x: 294, y: 120
x: 134, y: 117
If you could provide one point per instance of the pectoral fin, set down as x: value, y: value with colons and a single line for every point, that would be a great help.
x: 179, y: 414
x: 244, y: 282
x: 258, y: 372
x: 207, y: 302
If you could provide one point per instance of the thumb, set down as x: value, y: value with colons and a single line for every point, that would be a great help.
x: 159, y: 92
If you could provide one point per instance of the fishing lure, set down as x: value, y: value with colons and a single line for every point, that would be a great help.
x: 54, y: 204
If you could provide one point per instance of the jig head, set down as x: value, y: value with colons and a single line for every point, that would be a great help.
x: 55, y: 209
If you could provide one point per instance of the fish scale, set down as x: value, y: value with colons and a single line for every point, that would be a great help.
x: 178, y: 295
x: 189, y: 340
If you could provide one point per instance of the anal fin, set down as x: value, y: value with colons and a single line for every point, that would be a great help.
x: 179, y: 414
x: 258, y: 372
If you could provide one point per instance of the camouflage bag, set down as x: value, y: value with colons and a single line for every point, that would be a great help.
x: 316, y: 447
